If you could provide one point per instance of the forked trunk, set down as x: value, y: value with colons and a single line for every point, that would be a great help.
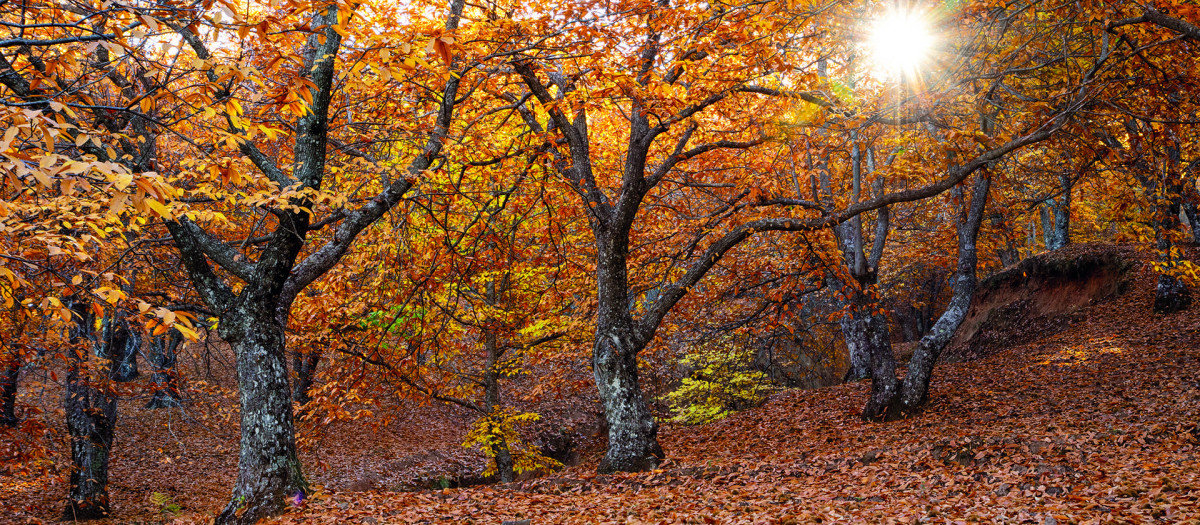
x: 890, y: 400
x: 91, y: 414
x: 915, y: 389
x: 269, y: 474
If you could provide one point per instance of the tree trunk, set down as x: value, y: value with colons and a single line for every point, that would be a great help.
x: 632, y: 432
x: 305, y: 363
x: 491, y: 397
x: 914, y: 391
x: 1171, y: 294
x: 1189, y: 205
x: 124, y: 345
x: 269, y: 474
x: 1062, y: 214
x: 1056, y: 217
x: 883, y: 366
x: 854, y: 332
x: 91, y: 415
x: 164, y: 382
x: 8, y: 392
x: 1047, y: 226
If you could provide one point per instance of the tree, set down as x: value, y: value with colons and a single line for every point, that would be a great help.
x: 151, y: 97
x: 669, y: 107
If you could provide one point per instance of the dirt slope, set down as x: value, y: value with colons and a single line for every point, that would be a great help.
x: 1093, y: 424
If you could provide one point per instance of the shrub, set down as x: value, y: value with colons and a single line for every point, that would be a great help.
x: 488, y: 431
x: 721, y: 381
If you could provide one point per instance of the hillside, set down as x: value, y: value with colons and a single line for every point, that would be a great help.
x: 1093, y: 423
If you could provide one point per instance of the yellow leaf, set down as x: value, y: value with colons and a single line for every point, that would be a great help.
x: 188, y: 333
x: 117, y: 203
x: 77, y: 279
x: 158, y: 208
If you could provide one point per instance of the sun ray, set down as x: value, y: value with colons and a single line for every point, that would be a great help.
x: 900, y: 42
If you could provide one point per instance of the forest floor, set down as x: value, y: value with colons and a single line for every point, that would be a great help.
x: 1094, y: 423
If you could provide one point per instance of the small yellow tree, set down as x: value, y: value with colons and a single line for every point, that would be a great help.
x: 721, y: 381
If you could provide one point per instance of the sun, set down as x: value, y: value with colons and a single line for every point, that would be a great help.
x: 901, y: 42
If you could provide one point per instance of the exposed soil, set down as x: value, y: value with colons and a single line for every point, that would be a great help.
x: 1040, y: 296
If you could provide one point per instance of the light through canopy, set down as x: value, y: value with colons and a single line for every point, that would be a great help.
x: 901, y: 42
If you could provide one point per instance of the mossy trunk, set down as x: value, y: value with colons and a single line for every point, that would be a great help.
x: 269, y: 474
x: 632, y: 432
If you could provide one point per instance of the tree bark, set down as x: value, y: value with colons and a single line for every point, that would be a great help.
x: 854, y: 332
x: 305, y: 364
x: 914, y: 391
x: 164, y: 381
x: 884, y: 385
x: 632, y: 432
x: 269, y: 472
x: 123, y: 347
x: 8, y: 392
x: 1171, y: 294
x: 1193, y: 217
x: 491, y: 396
x: 91, y: 414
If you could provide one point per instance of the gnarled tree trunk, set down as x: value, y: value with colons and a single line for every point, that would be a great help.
x: 632, y: 432
x: 268, y: 468
x: 91, y: 414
